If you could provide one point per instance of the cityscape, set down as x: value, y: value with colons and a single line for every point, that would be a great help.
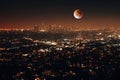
x: 59, y: 39
x: 47, y: 55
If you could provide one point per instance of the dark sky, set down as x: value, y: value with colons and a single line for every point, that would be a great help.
x: 96, y: 12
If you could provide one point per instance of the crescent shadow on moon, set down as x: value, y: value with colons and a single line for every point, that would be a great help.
x: 78, y: 14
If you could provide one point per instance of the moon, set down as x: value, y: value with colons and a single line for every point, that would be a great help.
x: 78, y: 14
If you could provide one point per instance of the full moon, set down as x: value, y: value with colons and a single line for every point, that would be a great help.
x: 78, y: 14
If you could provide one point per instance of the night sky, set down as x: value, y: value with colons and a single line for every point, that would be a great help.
x: 97, y: 13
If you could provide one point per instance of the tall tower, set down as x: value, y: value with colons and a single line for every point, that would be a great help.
x: 36, y: 28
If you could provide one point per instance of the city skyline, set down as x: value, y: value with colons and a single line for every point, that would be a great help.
x: 97, y: 14
x: 59, y: 39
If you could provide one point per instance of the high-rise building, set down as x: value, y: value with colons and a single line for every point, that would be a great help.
x: 36, y: 28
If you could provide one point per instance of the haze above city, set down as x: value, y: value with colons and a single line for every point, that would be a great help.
x: 97, y: 14
x: 59, y: 40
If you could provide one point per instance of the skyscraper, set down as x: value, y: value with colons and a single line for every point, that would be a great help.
x: 36, y: 28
